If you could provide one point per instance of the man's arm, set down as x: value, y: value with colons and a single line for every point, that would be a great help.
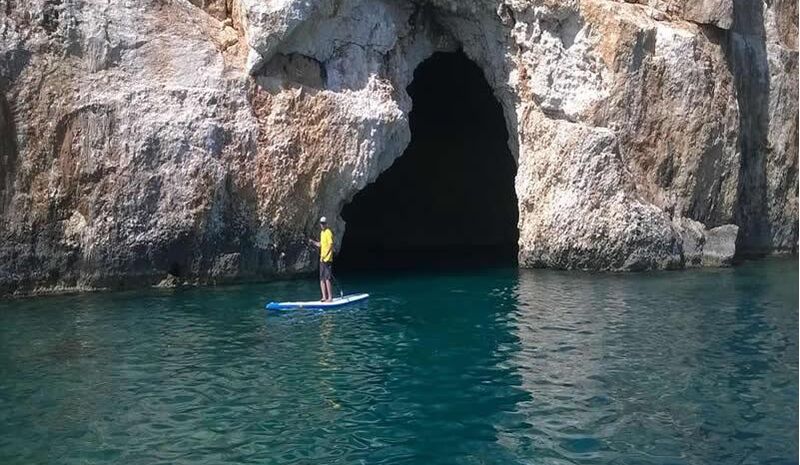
x: 314, y: 243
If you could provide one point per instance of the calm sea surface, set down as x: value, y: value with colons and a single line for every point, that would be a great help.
x: 490, y: 367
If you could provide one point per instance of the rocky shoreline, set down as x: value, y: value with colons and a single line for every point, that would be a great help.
x: 202, y: 139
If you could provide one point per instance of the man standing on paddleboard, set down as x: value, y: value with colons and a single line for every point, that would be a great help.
x: 325, y: 245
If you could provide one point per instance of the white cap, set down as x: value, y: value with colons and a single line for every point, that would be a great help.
x: 323, y: 220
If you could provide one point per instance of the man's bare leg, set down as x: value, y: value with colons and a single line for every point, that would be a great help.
x: 328, y: 287
x: 323, y: 288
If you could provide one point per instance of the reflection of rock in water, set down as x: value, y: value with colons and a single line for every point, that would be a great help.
x: 65, y: 350
x: 207, y: 137
x: 671, y: 364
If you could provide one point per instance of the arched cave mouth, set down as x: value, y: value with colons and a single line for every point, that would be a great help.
x: 449, y: 200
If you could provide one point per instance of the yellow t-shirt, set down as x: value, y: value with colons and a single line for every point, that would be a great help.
x: 326, y: 245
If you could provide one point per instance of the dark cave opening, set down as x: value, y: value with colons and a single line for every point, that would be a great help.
x: 449, y: 200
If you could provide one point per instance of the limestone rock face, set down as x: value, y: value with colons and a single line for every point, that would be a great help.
x: 201, y: 139
x: 703, y: 247
x: 714, y: 12
x: 762, y: 50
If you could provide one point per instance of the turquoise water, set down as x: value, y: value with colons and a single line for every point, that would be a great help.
x: 493, y: 367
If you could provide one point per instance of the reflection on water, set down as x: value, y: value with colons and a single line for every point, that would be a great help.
x: 501, y: 366
x: 699, y: 369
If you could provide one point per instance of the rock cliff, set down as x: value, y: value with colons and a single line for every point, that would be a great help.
x: 202, y: 139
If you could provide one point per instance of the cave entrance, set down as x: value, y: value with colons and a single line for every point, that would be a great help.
x: 449, y: 200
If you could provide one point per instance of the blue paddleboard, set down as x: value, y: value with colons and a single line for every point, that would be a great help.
x: 318, y: 305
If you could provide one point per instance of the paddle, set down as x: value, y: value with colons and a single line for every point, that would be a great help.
x: 336, y: 283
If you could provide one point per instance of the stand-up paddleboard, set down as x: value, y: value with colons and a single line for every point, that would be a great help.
x: 318, y: 305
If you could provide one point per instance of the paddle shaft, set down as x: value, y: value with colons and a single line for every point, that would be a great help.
x: 336, y: 283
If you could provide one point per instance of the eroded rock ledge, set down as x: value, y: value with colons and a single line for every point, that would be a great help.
x: 201, y: 139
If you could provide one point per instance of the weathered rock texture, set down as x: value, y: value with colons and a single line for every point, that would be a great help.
x: 201, y: 139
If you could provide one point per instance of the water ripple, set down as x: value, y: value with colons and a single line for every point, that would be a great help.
x: 498, y: 367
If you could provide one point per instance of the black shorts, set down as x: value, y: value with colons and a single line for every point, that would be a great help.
x: 325, y: 271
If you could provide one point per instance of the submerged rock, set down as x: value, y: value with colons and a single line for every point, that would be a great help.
x: 205, y: 138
